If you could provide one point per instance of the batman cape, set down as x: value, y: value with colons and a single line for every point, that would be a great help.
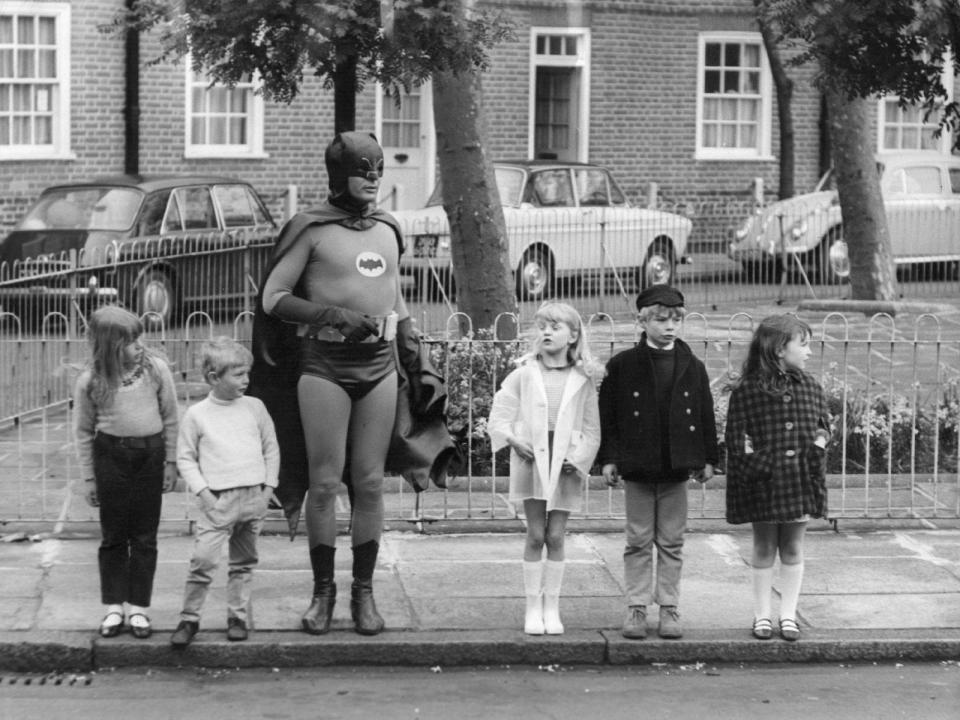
x: 421, y: 446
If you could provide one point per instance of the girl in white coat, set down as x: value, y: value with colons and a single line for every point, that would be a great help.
x: 546, y: 412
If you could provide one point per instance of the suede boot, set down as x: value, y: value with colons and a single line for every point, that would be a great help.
x: 316, y: 620
x: 366, y: 619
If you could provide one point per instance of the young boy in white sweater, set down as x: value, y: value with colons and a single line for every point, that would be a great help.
x: 228, y: 455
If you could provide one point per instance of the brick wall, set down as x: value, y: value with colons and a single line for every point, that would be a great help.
x: 642, y: 124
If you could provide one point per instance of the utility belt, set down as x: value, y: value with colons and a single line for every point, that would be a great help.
x: 147, y: 442
x: 386, y: 331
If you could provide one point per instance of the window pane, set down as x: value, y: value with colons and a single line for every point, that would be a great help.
x: 21, y: 98
x: 26, y: 64
x: 927, y: 140
x: 890, y: 138
x: 21, y: 131
x: 728, y: 136
x: 25, y: 30
x: 47, y: 63
x: 571, y: 45
x: 234, y: 205
x: 197, y: 208
x: 711, y: 109
x: 238, y: 101
x: 6, y: 29
x: 5, y: 93
x: 748, y: 136
x: 541, y: 44
x: 556, y: 44
x: 749, y: 110
x: 711, y: 81
x: 218, y: 99
x: 910, y: 138
x: 710, y: 136
x: 198, y: 133
x: 4, y: 131
x: 391, y: 135
x: 955, y: 180
x: 728, y: 109
x: 731, y: 55
x: 751, y: 56
x: 712, y: 54
x: 238, y: 131
x: 410, y: 110
x: 751, y: 83
x: 411, y: 136
x: 218, y: 131
x: 731, y: 81
x: 6, y: 63
x: 47, y: 31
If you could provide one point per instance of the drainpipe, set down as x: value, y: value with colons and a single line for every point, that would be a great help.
x: 131, y: 107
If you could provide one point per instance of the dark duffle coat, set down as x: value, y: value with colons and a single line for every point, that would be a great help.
x: 783, y: 478
x: 630, y: 419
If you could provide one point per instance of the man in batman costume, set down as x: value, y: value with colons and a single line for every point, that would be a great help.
x: 327, y: 366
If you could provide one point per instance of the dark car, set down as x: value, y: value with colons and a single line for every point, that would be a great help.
x: 160, y: 245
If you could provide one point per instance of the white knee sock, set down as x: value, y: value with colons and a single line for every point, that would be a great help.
x: 762, y: 585
x: 533, y: 589
x: 791, y: 577
x: 552, y: 580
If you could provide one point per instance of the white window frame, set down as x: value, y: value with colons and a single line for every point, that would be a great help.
x: 580, y: 60
x: 944, y: 142
x: 253, y: 148
x: 762, y: 151
x: 59, y: 147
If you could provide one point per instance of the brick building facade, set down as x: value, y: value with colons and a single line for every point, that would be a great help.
x: 672, y: 92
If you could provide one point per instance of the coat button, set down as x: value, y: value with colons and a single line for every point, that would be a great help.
x: 789, y: 426
x: 636, y: 394
x: 692, y: 428
x: 790, y: 453
x: 786, y: 398
x: 636, y: 413
x: 689, y: 411
x: 686, y: 393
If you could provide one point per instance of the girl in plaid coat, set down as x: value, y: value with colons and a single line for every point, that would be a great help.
x: 776, y: 435
x: 546, y: 411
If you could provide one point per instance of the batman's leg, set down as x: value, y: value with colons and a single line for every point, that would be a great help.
x: 325, y: 413
x: 370, y: 429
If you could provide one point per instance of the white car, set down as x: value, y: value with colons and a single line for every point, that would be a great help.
x: 921, y: 195
x: 564, y: 221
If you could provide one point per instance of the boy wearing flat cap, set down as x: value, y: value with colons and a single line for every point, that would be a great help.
x: 657, y: 430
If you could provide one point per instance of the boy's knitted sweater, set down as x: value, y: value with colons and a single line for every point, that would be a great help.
x: 137, y: 410
x: 227, y: 444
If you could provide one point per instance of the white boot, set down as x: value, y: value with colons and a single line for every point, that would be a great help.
x: 532, y: 581
x: 552, y: 579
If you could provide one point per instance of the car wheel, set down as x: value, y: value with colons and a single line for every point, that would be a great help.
x: 660, y: 266
x: 831, y: 261
x: 156, y: 302
x: 535, y: 279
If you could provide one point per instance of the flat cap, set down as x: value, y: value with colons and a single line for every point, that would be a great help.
x: 659, y: 295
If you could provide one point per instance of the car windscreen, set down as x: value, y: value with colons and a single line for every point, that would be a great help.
x: 86, y: 208
x: 509, y: 183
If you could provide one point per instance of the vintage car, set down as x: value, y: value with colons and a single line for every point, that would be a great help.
x: 921, y: 195
x: 564, y: 221
x: 158, y: 244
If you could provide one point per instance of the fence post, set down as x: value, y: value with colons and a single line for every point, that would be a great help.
x: 652, y: 192
x: 758, y: 191
x: 290, y: 202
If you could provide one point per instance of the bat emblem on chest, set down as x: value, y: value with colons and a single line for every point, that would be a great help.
x: 371, y: 264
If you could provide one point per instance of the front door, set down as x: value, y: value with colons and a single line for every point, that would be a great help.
x: 407, y: 136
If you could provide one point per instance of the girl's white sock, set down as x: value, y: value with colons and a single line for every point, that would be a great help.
x: 762, y: 584
x: 552, y: 580
x: 791, y: 577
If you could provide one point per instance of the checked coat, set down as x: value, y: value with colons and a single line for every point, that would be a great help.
x: 775, y: 472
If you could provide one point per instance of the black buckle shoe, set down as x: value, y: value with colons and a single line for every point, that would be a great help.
x: 236, y: 629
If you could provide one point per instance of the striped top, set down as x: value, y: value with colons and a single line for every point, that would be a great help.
x: 554, y: 380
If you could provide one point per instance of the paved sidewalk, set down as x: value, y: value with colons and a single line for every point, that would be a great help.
x: 454, y: 599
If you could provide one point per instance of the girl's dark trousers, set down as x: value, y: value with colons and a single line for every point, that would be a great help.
x: 129, y: 477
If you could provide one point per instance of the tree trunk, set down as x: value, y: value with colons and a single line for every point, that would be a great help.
x: 345, y: 95
x: 872, y: 271
x: 478, y: 241
x: 784, y: 87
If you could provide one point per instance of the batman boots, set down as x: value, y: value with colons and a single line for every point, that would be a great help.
x: 366, y: 619
x: 316, y: 620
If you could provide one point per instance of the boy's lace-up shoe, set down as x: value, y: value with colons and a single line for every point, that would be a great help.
x: 670, y: 622
x: 635, y: 626
x: 184, y: 633
x: 236, y: 629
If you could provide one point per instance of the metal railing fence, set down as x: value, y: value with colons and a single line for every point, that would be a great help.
x: 894, y: 391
